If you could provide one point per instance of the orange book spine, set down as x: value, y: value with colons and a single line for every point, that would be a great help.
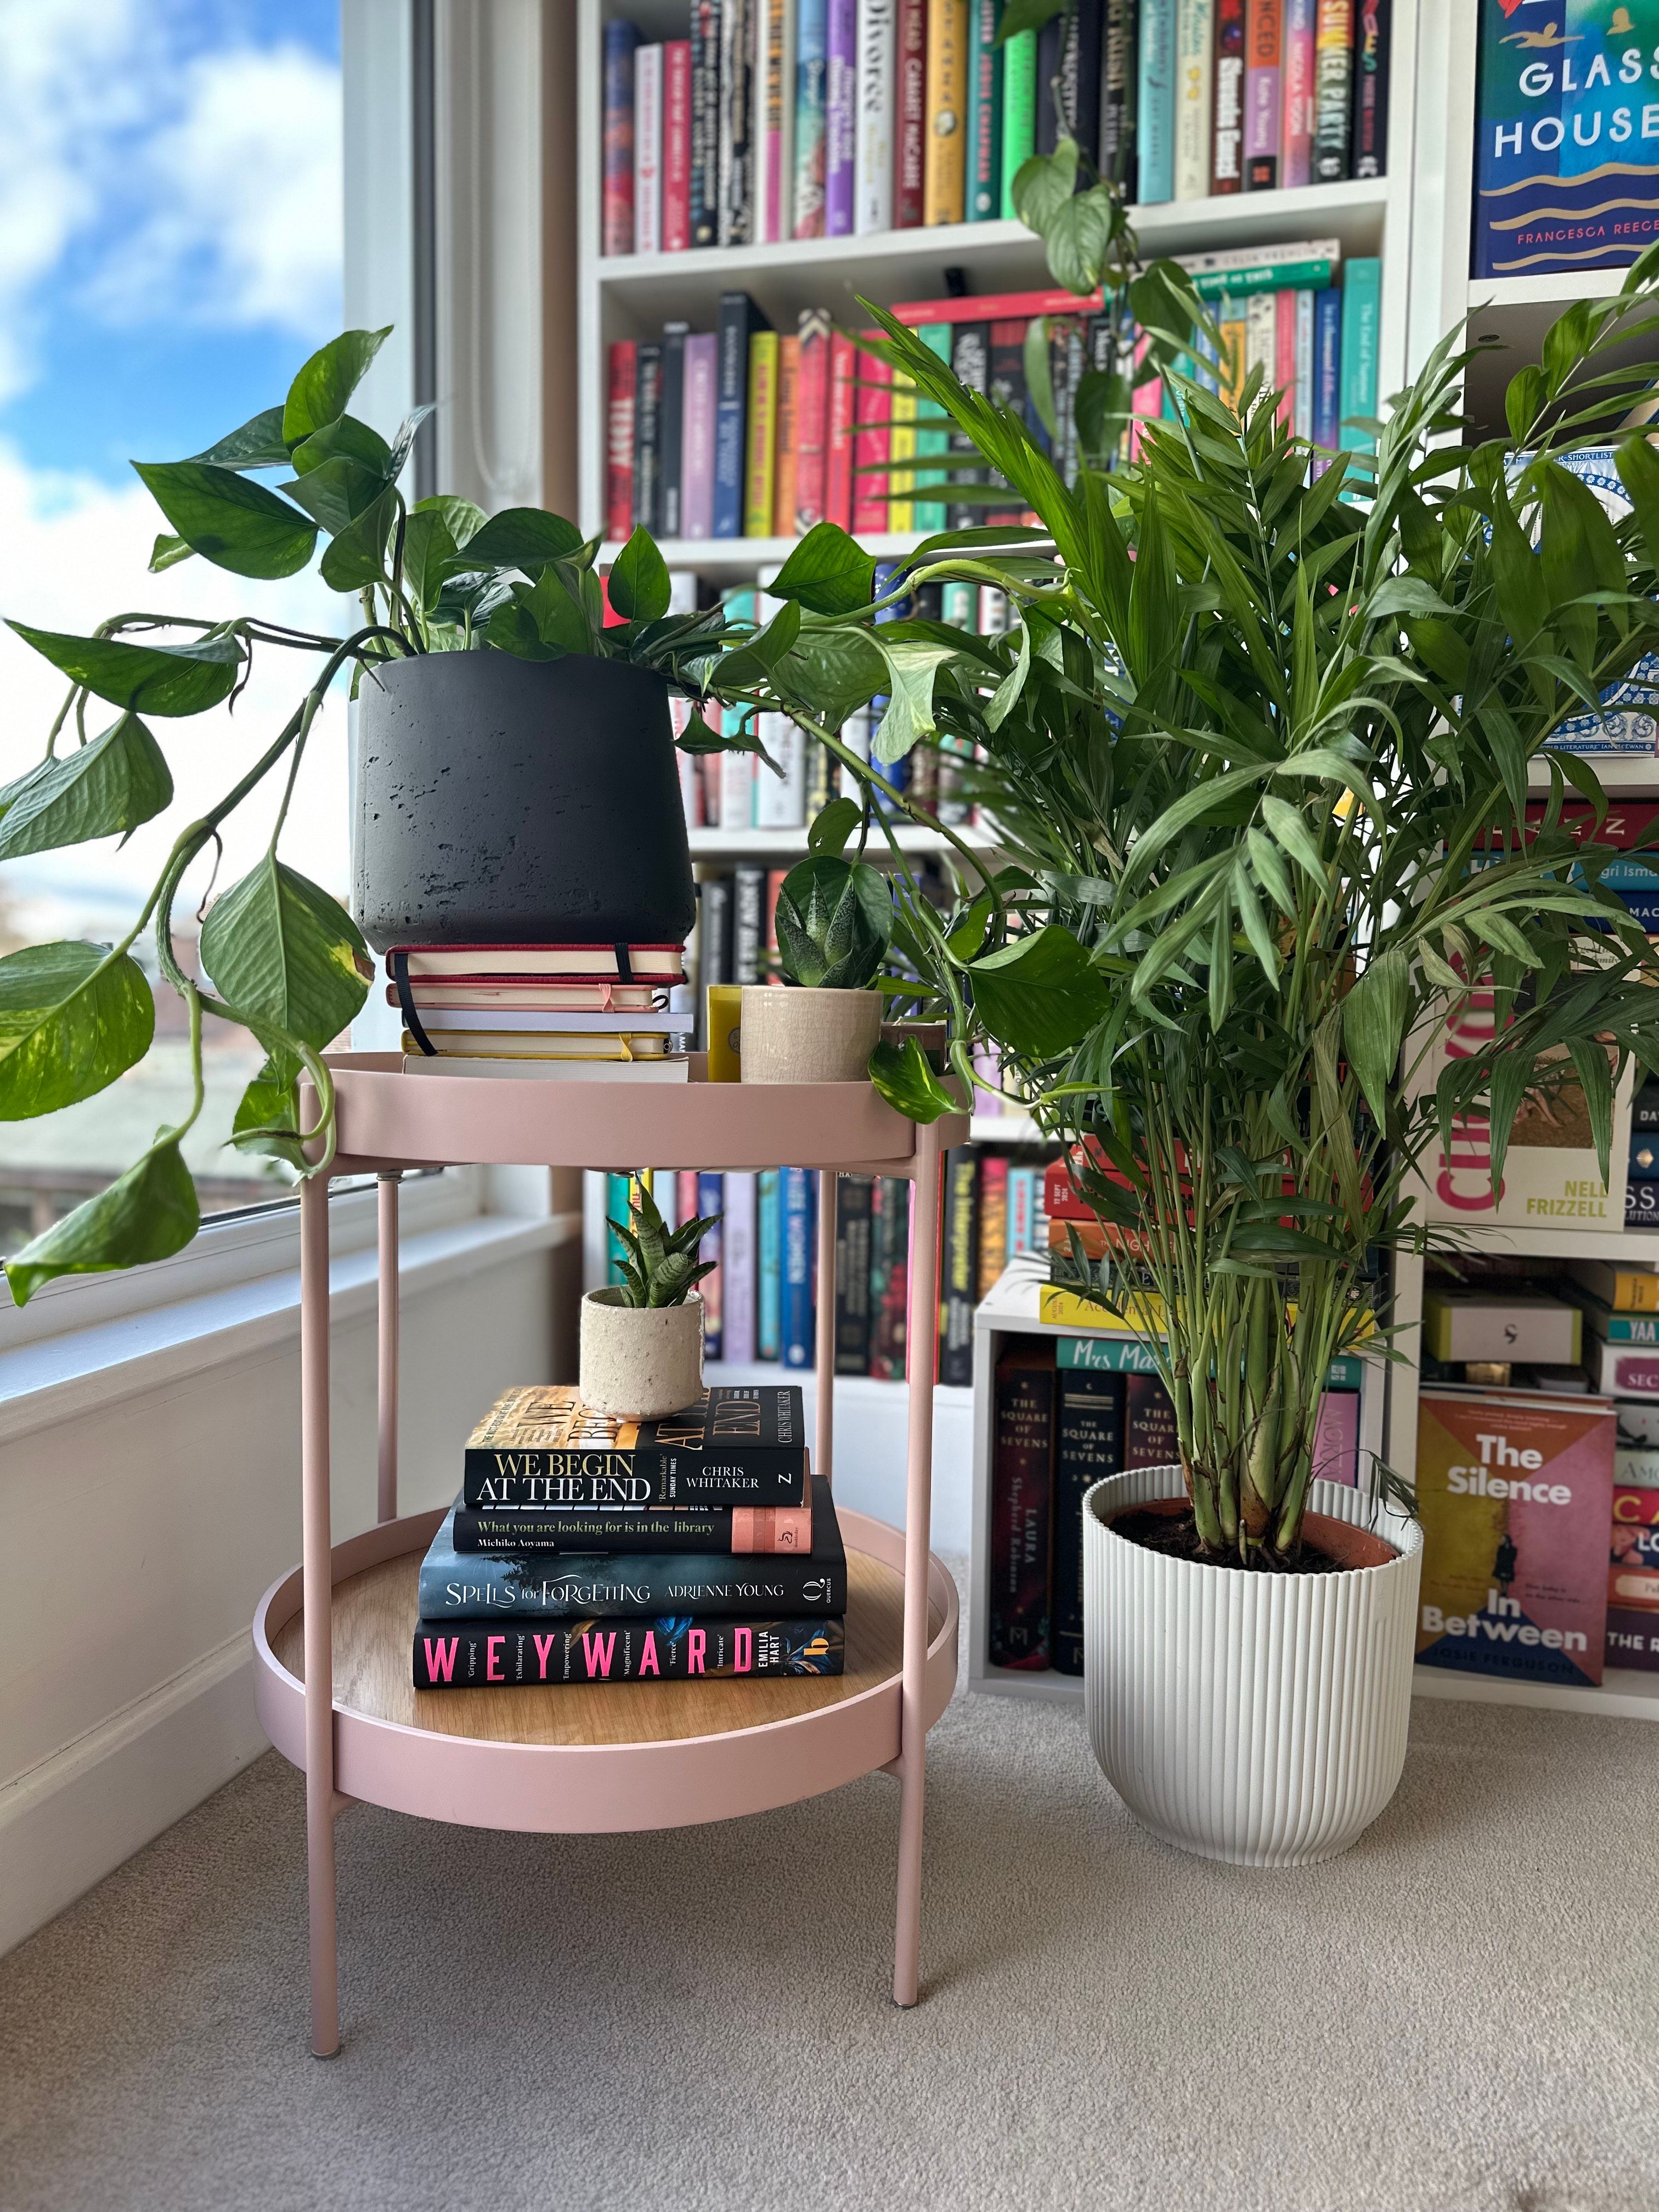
x: 787, y: 446
x: 944, y: 178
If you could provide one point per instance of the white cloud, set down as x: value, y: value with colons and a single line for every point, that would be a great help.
x: 73, y: 553
x: 244, y: 189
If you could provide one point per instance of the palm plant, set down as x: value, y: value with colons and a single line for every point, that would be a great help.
x: 1260, y: 741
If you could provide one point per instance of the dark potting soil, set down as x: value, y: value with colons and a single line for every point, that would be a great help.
x: 1176, y: 1535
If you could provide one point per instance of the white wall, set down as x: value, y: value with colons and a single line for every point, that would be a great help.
x: 139, y: 1537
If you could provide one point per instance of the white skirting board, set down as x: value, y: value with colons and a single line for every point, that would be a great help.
x: 67, y: 1822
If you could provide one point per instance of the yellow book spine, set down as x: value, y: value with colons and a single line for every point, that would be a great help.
x: 1635, y: 1290
x: 784, y: 469
x: 902, y: 447
x: 1059, y: 1307
x: 1233, y: 331
x: 763, y: 433
x: 945, y: 166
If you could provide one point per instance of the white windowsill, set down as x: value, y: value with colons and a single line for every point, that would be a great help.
x: 75, y: 1370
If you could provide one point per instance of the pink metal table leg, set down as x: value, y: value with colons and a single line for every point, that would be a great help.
x: 315, y: 1548
x: 828, y: 1183
x: 921, y: 1343
x: 387, y: 1505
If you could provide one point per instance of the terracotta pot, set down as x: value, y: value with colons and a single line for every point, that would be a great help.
x: 793, y: 1034
x: 1252, y: 1717
x: 641, y: 1361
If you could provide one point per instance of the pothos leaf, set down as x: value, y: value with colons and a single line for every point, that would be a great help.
x: 148, y: 1213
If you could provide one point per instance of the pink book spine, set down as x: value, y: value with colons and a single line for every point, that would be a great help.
x: 697, y: 436
x: 685, y: 1179
x: 869, y: 443
x: 812, y: 420
x: 1146, y: 403
x: 838, y: 470
x: 1285, y: 355
x: 1336, y: 1439
x: 1297, y: 165
x: 619, y: 440
x: 676, y: 146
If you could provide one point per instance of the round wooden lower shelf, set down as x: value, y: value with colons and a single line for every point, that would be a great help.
x: 591, y: 1759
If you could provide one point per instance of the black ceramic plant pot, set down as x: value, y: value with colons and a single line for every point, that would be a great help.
x: 503, y: 802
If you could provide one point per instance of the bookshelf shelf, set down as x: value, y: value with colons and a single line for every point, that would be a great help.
x: 729, y: 558
x: 559, y: 1761
x: 1558, y: 288
x: 740, y: 844
x: 1006, y: 1129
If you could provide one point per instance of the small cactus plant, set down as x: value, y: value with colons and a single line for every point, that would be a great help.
x: 660, y: 1265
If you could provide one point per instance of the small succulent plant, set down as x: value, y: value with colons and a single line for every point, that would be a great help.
x: 660, y: 1265
x: 834, y: 922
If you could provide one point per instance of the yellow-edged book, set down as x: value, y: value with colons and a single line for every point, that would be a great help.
x: 902, y: 447
x: 762, y: 434
x: 944, y: 169
x: 784, y: 470
x: 1140, y: 1311
x: 515, y: 1044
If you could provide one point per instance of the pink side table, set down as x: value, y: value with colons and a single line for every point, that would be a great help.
x: 578, y: 1760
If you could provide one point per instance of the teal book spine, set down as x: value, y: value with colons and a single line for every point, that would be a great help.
x: 932, y: 438
x: 1019, y: 112
x: 1156, y: 103
x: 984, y: 111
x: 1362, y: 314
x: 615, y: 1209
x: 768, y: 1266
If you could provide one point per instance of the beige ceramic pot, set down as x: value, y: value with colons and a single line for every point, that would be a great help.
x: 792, y: 1035
x: 641, y: 1361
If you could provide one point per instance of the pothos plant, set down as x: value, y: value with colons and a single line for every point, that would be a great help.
x: 1267, y: 741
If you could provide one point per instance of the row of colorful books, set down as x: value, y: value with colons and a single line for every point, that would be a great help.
x: 584, y: 1549
x: 745, y: 431
x: 761, y: 1302
x: 597, y: 1013
x: 1068, y: 1410
x: 774, y: 119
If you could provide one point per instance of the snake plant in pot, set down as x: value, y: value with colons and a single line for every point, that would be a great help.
x: 834, y: 923
x: 642, y: 1338
x: 1268, y: 741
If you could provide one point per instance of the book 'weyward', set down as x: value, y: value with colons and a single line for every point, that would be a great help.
x: 476, y: 1655
x: 539, y: 1446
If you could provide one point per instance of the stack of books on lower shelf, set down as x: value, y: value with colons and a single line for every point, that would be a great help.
x: 597, y: 1013
x: 586, y: 1549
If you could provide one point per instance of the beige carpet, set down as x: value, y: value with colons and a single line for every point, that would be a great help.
x: 1462, y: 2013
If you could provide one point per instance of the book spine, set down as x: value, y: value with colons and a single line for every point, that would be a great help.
x: 775, y: 100
x: 622, y: 364
x: 737, y: 1529
x: 961, y: 1272
x: 786, y: 440
x: 1088, y: 1445
x: 705, y: 180
x: 1150, y: 1437
x: 853, y: 1221
x: 900, y: 446
x: 984, y: 159
x: 475, y: 1654
x: 1370, y: 127
x: 889, y: 1277
x: 1195, y: 97
x: 711, y: 1199
x: 994, y: 1248
x: 1361, y: 310
x: 841, y: 119
x: 970, y: 364
x: 738, y: 319
x: 1296, y: 79
x: 697, y: 437
x: 1327, y: 366
x: 933, y: 437
x: 872, y: 442
x: 1080, y: 73
x: 1019, y: 112
x: 1006, y: 351
x: 1262, y: 337
x: 763, y: 430
x: 617, y: 226
x: 1155, y: 102
x: 811, y: 425
x: 769, y: 1280
x: 1050, y: 49
x: 1117, y: 111
x: 780, y: 802
x: 676, y: 145
x: 1334, y: 91
x: 648, y: 149
x: 944, y: 173
x: 738, y: 1275
x: 1285, y: 355
x: 615, y: 1209
x: 811, y: 75
x: 1022, y: 1498
x: 1302, y: 419
x: 839, y: 438
x: 1227, y: 140
x: 671, y: 437
x: 647, y: 439
x: 748, y: 900
x: 873, y: 183
x: 1264, y: 29
x: 910, y: 112
x: 798, y: 1267
x: 736, y: 122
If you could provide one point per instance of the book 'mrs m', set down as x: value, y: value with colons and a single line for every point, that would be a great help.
x: 540, y: 1446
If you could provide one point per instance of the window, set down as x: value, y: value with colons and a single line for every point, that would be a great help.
x: 171, y: 186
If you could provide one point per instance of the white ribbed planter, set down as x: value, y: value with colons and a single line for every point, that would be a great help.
x: 1257, y: 1718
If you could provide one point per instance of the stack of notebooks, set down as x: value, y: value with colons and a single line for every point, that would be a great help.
x: 570, y: 1011
x: 585, y: 1549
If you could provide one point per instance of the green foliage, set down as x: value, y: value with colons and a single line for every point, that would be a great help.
x: 148, y: 1213
x: 659, y: 1266
x: 289, y: 957
x: 834, y: 922
x: 72, y: 1018
x: 102, y: 789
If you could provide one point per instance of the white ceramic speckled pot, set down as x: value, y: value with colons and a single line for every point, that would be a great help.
x: 1257, y: 1718
x: 644, y: 1361
x: 798, y: 1036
